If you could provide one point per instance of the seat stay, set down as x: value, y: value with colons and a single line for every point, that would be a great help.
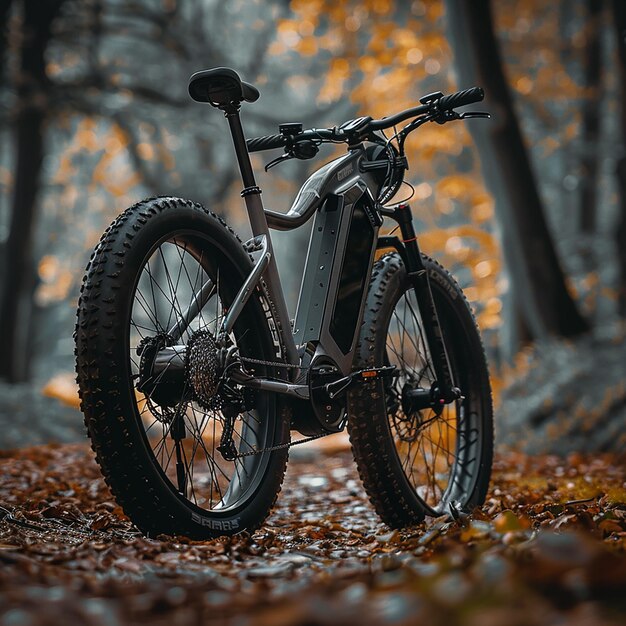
x: 258, y: 223
x: 248, y: 286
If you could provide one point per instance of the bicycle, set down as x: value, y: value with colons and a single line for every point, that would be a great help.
x: 192, y: 375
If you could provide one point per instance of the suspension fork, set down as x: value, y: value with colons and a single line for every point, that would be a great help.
x: 418, y: 275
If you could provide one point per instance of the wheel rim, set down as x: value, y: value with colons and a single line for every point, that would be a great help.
x: 438, y: 451
x: 169, y: 281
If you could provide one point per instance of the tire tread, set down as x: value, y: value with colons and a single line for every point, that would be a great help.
x: 124, y: 464
x: 368, y: 431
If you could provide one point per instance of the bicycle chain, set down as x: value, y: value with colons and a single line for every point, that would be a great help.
x: 280, y: 446
x: 272, y: 363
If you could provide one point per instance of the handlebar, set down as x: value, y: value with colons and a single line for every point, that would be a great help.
x: 393, y: 120
x: 461, y: 98
x: 434, y: 109
x: 266, y: 143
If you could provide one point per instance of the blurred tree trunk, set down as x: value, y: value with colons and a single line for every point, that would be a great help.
x: 591, y: 114
x: 545, y: 305
x: 5, y: 12
x: 17, y: 290
x: 619, y: 19
x: 5, y: 7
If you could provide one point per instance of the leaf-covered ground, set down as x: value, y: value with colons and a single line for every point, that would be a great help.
x: 549, y: 546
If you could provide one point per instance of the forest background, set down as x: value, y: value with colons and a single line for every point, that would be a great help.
x: 527, y: 210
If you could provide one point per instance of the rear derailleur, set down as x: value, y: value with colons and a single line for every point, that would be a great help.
x: 171, y: 376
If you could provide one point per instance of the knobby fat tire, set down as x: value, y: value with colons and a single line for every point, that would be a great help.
x: 109, y: 408
x: 387, y: 486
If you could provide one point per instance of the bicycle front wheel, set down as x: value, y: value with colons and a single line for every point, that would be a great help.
x: 183, y: 449
x: 420, y: 461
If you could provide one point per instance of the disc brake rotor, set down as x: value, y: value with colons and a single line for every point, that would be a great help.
x: 407, y: 425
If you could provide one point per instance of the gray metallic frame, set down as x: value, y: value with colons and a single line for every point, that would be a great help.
x: 325, y: 256
x: 341, y: 178
x: 323, y: 263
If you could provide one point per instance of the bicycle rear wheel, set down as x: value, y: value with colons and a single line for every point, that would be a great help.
x: 418, y: 462
x: 181, y: 446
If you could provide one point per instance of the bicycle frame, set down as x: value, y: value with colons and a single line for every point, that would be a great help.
x: 346, y: 215
x: 193, y: 377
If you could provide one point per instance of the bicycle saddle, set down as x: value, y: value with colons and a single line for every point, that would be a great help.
x: 221, y: 86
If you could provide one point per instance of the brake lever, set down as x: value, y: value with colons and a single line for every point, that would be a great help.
x: 303, y: 150
x: 283, y: 157
x: 470, y: 114
x: 442, y: 117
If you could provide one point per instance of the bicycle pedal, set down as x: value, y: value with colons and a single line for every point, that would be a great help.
x: 378, y: 372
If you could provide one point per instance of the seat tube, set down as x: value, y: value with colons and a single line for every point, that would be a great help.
x: 258, y: 222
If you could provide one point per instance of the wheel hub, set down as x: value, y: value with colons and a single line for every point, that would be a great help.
x: 161, y: 371
x: 415, y: 399
x: 170, y: 374
x: 406, y: 406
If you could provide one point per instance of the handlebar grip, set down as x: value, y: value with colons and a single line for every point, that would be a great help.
x: 256, y: 144
x: 461, y: 98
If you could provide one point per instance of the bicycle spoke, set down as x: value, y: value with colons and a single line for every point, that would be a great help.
x: 170, y: 286
x: 426, y: 441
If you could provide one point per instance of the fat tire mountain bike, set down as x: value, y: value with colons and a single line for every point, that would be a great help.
x: 192, y: 375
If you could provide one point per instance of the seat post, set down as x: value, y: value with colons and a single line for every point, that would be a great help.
x: 251, y: 192
x: 241, y: 149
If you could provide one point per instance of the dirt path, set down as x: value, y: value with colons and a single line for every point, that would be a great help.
x: 69, y: 556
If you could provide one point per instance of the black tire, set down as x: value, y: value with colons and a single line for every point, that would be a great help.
x: 146, y: 270
x: 382, y: 434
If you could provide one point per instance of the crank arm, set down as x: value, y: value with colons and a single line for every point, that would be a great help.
x: 335, y: 388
